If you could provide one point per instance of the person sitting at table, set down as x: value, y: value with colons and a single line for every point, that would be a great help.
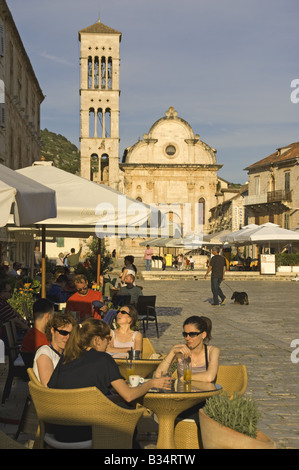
x: 47, y: 357
x: 57, y: 292
x: 130, y: 289
x: 86, y: 364
x: 43, y: 310
x: 203, y: 358
x: 126, y: 336
x: 129, y: 268
x: 82, y: 300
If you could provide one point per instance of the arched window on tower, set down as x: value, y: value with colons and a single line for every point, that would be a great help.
x: 89, y: 73
x: 105, y: 168
x: 109, y: 73
x: 96, y: 73
x: 100, y: 123
x: 94, y: 167
x: 201, y: 211
x: 91, y: 122
x: 103, y: 73
x: 107, y: 122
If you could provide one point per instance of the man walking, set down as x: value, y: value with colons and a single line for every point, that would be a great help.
x: 217, y: 266
x: 148, y: 258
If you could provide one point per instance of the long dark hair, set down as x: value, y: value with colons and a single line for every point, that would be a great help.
x: 201, y: 323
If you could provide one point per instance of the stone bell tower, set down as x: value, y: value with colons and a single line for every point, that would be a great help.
x: 99, y: 61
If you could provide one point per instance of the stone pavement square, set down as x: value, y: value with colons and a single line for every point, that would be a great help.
x: 258, y: 335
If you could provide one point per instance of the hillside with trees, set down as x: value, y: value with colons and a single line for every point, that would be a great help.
x: 61, y: 151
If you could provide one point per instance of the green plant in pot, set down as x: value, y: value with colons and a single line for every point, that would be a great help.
x: 232, y: 424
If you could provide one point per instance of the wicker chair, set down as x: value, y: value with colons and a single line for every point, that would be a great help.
x: 147, y: 348
x: 33, y: 378
x: 112, y: 425
x: 233, y: 378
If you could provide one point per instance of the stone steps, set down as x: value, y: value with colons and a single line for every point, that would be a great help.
x: 174, y: 274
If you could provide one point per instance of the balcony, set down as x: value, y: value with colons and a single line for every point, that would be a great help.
x: 269, y: 197
x: 255, y: 199
x: 279, y: 196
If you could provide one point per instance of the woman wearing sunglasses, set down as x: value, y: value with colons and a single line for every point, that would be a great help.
x: 47, y: 357
x: 86, y: 364
x: 126, y: 335
x: 202, y: 357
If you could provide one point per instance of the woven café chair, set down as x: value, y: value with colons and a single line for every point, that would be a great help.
x: 147, y: 348
x: 33, y: 378
x: 112, y: 426
x: 232, y: 378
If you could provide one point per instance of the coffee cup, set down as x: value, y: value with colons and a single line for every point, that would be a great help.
x: 135, y: 380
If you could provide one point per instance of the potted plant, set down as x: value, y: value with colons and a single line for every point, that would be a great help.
x: 232, y: 424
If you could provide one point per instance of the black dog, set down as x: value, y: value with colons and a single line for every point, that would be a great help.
x: 240, y: 298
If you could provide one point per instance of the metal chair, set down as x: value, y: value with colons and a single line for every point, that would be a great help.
x: 112, y: 426
x: 16, y: 366
x: 146, y: 307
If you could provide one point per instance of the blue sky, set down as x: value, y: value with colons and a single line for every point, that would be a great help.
x: 226, y: 66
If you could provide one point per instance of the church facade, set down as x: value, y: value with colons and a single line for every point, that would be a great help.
x: 169, y: 167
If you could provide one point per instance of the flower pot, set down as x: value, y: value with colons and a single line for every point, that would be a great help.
x: 216, y: 436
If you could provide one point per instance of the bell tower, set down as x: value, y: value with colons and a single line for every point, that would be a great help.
x: 99, y: 108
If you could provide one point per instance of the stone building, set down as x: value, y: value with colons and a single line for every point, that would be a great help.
x: 20, y: 98
x: 273, y: 192
x: 170, y: 167
x: 230, y: 212
x: 100, y: 103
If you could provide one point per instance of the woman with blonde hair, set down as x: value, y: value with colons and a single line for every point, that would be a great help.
x: 86, y: 364
x: 46, y: 357
x: 126, y: 335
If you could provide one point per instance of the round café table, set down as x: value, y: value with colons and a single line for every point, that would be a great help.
x: 143, y: 367
x: 167, y: 405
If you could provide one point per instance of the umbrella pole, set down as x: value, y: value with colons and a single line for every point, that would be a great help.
x: 43, y: 262
x: 99, y: 262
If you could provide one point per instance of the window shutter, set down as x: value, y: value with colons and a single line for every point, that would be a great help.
x: 2, y: 114
x: 1, y: 39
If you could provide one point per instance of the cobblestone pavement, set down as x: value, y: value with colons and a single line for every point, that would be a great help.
x: 258, y: 335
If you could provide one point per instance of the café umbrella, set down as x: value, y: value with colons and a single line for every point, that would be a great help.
x: 86, y: 208
x: 24, y: 201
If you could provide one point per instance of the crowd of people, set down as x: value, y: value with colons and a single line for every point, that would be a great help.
x: 75, y: 348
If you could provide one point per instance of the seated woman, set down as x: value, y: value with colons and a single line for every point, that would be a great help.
x: 86, y: 364
x: 47, y: 357
x: 126, y: 336
x: 203, y: 358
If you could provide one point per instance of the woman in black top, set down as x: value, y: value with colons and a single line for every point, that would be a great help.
x: 86, y: 364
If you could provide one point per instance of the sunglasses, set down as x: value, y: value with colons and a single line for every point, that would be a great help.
x: 124, y: 312
x: 192, y: 334
x: 62, y: 332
